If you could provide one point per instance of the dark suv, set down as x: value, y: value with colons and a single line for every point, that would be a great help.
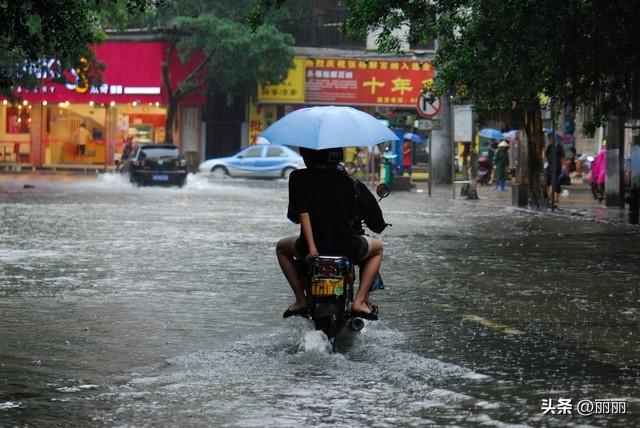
x: 155, y: 164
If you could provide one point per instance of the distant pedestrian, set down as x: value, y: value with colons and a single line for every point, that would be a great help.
x: 407, y: 159
x: 553, y: 169
x: 501, y: 166
x: 128, y: 147
x: 599, y: 173
x: 82, y: 138
x: 377, y: 161
x: 493, y: 148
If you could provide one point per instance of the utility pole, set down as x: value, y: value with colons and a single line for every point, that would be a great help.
x: 615, y: 161
x: 552, y: 164
x: 473, y: 156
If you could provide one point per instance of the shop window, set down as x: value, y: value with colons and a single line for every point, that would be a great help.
x: 18, y: 120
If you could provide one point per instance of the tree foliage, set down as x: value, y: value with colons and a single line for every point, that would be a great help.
x: 496, y: 52
x: 36, y: 32
x: 508, y: 55
x: 227, y: 54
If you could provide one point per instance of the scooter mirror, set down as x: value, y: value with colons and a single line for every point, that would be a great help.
x: 383, y: 190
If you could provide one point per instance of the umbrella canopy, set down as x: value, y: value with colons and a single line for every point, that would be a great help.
x: 327, y: 127
x: 496, y: 134
x: 413, y: 137
x: 511, y: 135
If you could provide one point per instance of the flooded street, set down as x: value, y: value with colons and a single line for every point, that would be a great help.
x: 162, y: 307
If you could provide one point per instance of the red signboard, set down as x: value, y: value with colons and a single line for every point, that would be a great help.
x: 365, y: 82
x: 133, y: 72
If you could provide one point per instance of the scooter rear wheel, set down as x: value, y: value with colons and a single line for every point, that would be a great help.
x: 328, y: 326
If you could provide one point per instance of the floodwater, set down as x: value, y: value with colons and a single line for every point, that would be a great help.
x: 161, y: 307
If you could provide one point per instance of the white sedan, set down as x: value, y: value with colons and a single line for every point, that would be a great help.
x: 260, y: 161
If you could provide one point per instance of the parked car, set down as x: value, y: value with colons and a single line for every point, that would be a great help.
x: 156, y: 164
x: 259, y: 161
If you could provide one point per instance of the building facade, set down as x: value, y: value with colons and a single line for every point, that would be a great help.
x: 78, y: 125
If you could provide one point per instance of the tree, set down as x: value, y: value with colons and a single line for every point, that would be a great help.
x: 505, y: 55
x: 225, y: 53
x: 50, y: 37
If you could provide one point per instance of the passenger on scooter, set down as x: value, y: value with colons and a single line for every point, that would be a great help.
x: 323, y: 200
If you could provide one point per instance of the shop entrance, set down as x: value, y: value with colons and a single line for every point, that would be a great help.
x: 74, y: 134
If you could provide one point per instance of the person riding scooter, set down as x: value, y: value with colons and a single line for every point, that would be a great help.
x: 324, y: 201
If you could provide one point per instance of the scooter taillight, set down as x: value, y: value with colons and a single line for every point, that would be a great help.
x: 327, y: 268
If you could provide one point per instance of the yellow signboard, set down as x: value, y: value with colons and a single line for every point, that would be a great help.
x: 290, y: 90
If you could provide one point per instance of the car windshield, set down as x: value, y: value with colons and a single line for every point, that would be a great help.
x: 159, y: 152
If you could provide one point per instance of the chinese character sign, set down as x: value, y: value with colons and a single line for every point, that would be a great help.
x: 351, y: 81
x: 367, y: 82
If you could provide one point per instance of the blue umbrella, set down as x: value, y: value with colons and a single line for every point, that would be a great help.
x: 413, y: 137
x: 328, y: 127
x: 495, y: 134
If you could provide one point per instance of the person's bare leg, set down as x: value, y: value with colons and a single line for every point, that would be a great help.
x: 285, y: 251
x: 370, y: 267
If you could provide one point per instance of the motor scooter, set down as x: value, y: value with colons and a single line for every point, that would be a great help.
x: 484, y: 170
x: 329, y: 286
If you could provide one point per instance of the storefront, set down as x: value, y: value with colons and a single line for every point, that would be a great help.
x: 386, y: 88
x: 77, y: 125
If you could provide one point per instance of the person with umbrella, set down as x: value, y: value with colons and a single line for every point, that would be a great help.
x: 325, y: 201
x: 501, y: 164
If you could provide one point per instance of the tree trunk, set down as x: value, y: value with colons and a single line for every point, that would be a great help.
x: 171, y: 114
x: 535, y: 137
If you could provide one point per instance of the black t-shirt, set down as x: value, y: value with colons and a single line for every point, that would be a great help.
x: 559, y: 157
x: 334, y: 201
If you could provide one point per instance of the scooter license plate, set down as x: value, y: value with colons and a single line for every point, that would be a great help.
x: 326, y: 287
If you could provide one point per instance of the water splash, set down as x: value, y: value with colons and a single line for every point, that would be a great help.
x: 315, y: 341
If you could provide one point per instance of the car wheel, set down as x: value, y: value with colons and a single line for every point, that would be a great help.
x: 219, y: 172
x: 287, y: 172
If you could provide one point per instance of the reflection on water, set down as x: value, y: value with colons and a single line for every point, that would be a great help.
x: 125, y: 306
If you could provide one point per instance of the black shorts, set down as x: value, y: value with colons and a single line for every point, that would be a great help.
x: 549, y: 180
x: 302, y: 249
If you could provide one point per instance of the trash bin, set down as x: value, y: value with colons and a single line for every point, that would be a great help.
x: 388, y: 168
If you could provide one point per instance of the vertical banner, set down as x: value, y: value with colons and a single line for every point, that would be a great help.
x: 260, y: 117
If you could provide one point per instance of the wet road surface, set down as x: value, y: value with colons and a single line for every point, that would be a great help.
x: 158, y: 307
